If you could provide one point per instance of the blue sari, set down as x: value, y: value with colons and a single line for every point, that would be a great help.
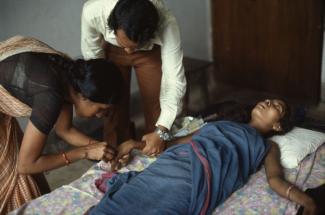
x: 189, y: 178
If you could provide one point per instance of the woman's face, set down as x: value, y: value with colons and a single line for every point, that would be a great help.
x: 86, y: 108
x: 268, y: 114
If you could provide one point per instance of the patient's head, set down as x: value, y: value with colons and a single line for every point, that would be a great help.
x: 272, y: 116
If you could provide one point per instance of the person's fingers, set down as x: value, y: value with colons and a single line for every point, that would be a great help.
x: 146, y: 150
x: 117, y: 166
x: 102, y: 143
x: 114, y: 164
x: 108, y: 156
x: 109, y: 150
x: 126, y: 156
x: 144, y: 138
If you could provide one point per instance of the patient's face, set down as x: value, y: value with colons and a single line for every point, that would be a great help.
x: 268, y: 114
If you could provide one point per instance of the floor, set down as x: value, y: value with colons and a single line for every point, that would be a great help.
x: 217, y: 92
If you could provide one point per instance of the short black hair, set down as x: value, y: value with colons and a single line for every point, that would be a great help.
x: 137, y: 18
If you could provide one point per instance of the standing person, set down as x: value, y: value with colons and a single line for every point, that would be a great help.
x: 40, y: 82
x: 144, y: 35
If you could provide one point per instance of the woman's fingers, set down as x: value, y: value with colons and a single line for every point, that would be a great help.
x: 109, y: 150
x: 108, y: 157
x: 124, y: 160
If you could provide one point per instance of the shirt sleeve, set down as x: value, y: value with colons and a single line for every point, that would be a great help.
x: 45, y: 111
x: 173, y: 83
x: 91, y: 39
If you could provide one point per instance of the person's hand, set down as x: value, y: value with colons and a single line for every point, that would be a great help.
x: 109, y: 153
x: 310, y: 208
x: 154, y: 145
x: 98, y: 151
x: 123, y: 154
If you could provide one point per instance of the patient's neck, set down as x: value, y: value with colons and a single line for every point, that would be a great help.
x: 259, y: 127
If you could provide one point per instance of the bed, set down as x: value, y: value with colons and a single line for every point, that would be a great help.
x: 254, y: 198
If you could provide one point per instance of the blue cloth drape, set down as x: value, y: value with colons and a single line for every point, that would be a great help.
x: 189, y: 178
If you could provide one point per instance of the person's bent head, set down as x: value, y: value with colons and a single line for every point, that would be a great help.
x: 94, y: 86
x: 134, y: 23
x: 272, y: 116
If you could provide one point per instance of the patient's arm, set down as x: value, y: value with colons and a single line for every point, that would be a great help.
x: 123, y: 153
x: 277, y: 182
x: 125, y: 148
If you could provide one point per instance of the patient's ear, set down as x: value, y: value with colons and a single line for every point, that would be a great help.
x: 277, y: 127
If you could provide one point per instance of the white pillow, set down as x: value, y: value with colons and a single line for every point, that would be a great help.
x: 297, y: 144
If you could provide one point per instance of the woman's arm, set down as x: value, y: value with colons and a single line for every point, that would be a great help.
x: 67, y: 132
x: 277, y: 182
x: 32, y: 161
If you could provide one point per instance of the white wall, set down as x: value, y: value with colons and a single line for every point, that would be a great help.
x: 323, y: 64
x: 193, y: 16
x: 54, y: 22
x: 58, y: 23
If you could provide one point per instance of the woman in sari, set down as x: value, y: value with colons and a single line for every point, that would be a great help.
x: 200, y: 171
x: 40, y: 82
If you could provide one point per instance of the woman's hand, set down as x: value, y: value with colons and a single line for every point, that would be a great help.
x: 99, y: 151
x: 123, y: 154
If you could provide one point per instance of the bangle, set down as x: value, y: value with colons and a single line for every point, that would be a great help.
x: 288, y: 191
x: 67, y: 162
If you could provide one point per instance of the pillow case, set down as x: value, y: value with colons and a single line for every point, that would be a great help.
x: 297, y: 144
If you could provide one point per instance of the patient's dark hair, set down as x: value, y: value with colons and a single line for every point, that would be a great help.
x: 98, y: 80
x: 237, y: 112
x: 137, y: 18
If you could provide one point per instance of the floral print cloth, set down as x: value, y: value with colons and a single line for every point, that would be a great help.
x: 256, y: 197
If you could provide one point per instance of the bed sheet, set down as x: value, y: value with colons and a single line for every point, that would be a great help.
x: 256, y: 197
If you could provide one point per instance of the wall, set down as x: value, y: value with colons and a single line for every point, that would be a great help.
x: 58, y: 23
x: 193, y: 16
x: 54, y: 22
x: 323, y: 64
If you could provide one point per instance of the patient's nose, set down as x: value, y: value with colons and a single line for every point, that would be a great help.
x: 268, y: 102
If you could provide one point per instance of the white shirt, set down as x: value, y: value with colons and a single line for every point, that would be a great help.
x: 95, y: 31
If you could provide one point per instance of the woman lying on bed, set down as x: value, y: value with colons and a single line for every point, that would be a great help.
x: 198, y: 172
